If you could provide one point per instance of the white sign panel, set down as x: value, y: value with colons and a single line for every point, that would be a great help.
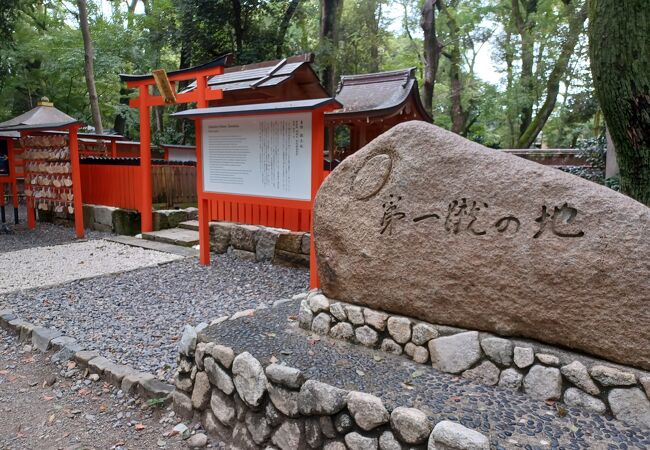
x: 264, y: 156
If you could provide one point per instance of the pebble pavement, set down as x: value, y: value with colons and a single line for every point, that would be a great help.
x: 137, y: 317
x: 510, y: 419
x: 48, y: 266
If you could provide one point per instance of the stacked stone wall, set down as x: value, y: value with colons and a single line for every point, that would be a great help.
x: 540, y: 371
x: 250, y: 406
x: 259, y: 243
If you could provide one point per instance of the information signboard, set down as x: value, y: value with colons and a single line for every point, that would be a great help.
x: 266, y: 156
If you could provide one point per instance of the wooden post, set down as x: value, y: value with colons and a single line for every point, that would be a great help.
x: 76, y: 182
x: 146, y: 218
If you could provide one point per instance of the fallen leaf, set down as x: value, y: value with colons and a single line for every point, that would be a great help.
x: 103, y: 408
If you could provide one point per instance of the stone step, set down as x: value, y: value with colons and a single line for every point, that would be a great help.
x: 510, y: 419
x: 175, y: 236
x: 155, y: 245
x: 189, y: 225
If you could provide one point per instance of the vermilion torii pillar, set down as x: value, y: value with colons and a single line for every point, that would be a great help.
x: 201, y: 95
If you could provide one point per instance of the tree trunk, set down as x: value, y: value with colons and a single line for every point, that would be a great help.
x: 458, y: 116
x: 284, y: 26
x: 432, y: 50
x: 524, y: 27
x: 619, y: 47
x: 330, y: 11
x: 576, y: 24
x: 88, y: 67
x: 237, y: 26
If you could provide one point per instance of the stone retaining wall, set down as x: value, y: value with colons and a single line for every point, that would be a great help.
x: 121, y: 221
x: 259, y: 243
x: 253, y: 407
x: 542, y: 372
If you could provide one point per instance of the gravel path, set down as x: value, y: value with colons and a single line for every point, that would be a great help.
x: 74, y: 412
x: 49, y: 266
x: 510, y: 419
x: 137, y: 317
x: 19, y: 237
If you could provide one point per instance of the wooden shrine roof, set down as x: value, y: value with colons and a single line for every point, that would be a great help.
x: 40, y: 118
x: 268, y: 74
x: 380, y: 94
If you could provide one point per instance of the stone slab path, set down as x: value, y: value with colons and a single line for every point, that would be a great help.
x: 176, y: 236
x: 48, y: 266
x: 510, y: 419
x: 155, y: 245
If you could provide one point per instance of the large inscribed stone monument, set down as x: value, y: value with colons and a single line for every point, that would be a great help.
x: 424, y: 223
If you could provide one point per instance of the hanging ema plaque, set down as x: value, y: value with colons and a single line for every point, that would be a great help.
x: 258, y: 156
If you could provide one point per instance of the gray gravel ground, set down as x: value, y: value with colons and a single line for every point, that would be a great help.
x: 137, y: 317
x: 19, y: 237
x: 510, y: 419
x: 49, y: 266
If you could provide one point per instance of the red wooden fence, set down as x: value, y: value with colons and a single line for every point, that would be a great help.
x: 110, y: 185
x: 119, y: 186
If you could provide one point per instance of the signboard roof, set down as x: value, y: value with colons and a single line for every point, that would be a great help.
x: 258, y: 108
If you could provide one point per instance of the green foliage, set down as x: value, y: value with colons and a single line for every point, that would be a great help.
x: 41, y: 53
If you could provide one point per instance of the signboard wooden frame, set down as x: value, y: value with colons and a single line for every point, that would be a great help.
x: 317, y: 172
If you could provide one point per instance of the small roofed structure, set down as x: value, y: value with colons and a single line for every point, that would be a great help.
x: 288, y: 79
x: 372, y: 104
x: 44, y: 117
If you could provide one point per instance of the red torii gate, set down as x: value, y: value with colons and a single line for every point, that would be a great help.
x: 201, y: 95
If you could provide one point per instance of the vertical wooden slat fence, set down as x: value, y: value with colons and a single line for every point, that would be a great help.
x: 118, y: 185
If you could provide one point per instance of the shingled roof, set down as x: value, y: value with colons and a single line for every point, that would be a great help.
x: 43, y: 117
x: 266, y: 74
x: 377, y: 94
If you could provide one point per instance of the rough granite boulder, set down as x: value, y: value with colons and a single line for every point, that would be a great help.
x: 464, y: 232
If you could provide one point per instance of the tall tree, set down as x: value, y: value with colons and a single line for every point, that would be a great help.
x: 619, y: 40
x: 88, y: 66
x: 330, y: 15
x: 432, y: 50
x: 284, y: 26
x: 577, y: 18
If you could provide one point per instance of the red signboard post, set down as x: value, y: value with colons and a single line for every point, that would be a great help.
x: 265, y: 154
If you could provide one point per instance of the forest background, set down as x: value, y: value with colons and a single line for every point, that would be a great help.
x: 537, y: 91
